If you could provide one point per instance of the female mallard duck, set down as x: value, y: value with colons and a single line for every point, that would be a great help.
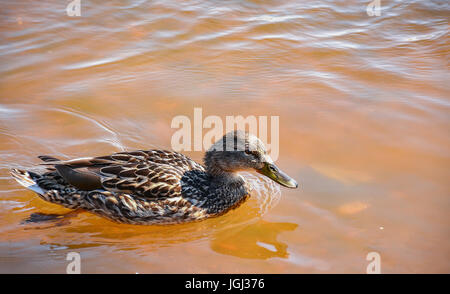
x: 155, y: 186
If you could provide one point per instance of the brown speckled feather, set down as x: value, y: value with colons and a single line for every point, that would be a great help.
x: 153, y: 174
x: 139, y: 187
x: 146, y: 187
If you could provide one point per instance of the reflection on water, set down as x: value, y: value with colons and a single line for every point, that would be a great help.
x: 258, y: 241
x: 79, y: 230
x: 364, y: 122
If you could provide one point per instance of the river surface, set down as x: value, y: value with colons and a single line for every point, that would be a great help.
x: 364, y: 123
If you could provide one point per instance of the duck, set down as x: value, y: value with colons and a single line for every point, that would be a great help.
x: 147, y: 187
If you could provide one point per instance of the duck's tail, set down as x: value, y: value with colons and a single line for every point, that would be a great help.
x: 28, y: 180
x: 48, y: 188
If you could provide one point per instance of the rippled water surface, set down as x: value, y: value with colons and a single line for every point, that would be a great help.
x: 364, y: 127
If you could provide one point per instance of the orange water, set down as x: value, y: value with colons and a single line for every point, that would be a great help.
x: 364, y: 127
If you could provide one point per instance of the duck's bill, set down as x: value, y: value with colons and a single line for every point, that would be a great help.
x: 271, y: 171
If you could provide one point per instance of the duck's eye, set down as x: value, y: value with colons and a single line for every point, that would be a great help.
x: 254, y: 153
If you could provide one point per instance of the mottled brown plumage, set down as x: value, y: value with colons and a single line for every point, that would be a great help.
x: 154, y: 186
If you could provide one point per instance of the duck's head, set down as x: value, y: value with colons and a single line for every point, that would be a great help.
x: 239, y: 151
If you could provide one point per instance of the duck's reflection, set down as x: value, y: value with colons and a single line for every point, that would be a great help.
x: 255, y: 241
x: 241, y: 233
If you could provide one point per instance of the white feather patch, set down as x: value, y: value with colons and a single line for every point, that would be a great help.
x: 25, y: 180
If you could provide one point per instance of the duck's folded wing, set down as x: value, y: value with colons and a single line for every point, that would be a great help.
x: 153, y: 173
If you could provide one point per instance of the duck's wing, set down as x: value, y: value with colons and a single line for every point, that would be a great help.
x: 153, y: 173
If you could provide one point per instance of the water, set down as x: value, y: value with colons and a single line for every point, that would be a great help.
x: 364, y: 123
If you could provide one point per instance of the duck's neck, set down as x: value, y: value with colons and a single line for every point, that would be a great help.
x: 227, y: 190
